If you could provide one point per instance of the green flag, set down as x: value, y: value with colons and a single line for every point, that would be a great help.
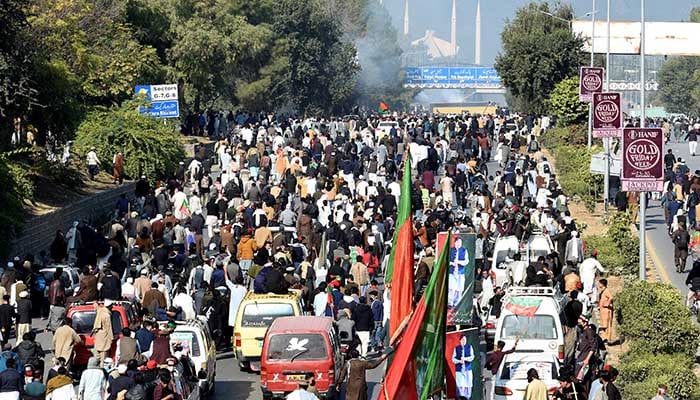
x: 403, y: 215
x: 430, y: 354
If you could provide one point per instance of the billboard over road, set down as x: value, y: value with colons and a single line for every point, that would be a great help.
x: 452, y: 77
x: 642, y: 160
x: 662, y: 38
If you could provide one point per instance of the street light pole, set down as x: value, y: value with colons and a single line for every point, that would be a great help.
x: 642, y: 123
x: 590, y: 104
x: 606, y: 141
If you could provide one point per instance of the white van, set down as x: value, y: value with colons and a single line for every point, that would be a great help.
x: 532, y: 314
x: 196, y: 334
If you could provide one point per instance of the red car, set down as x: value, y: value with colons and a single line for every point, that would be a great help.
x: 83, y: 317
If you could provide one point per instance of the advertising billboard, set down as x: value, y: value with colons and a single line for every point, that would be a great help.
x: 607, y: 115
x: 642, y: 160
x: 662, y: 38
x: 590, y: 81
x: 460, y: 276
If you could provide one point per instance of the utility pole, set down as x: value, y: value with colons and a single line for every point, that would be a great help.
x: 606, y: 141
x: 590, y: 104
x: 642, y: 124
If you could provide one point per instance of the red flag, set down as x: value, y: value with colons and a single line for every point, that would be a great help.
x: 400, y: 380
x: 402, y: 284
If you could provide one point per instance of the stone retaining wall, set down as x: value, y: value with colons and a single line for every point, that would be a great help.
x: 39, y: 231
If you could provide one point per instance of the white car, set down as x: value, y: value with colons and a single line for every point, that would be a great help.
x: 70, y: 277
x: 511, y: 380
x: 196, y: 334
x: 384, y: 128
x: 532, y: 314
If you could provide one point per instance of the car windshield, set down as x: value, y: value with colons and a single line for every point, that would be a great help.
x: 297, y: 346
x: 83, y: 321
x: 187, y: 338
x: 501, y: 257
x: 546, y: 370
x: 262, y: 314
x: 535, y: 327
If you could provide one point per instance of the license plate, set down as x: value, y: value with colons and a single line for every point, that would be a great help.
x: 296, y: 377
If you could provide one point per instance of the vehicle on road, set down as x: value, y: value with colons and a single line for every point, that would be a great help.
x: 70, y: 276
x: 384, y: 128
x: 202, y: 350
x: 532, y: 314
x: 538, y: 244
x: 297, y: 348
x: 82, y: 316
x: 255, y: 315
x: 511, y: 380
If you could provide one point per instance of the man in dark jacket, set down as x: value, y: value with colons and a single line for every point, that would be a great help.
x: 7, y: 313
x: 10, y: 379
x: 111, y: 286
x: 24, y: 314
x: 364, y: 323
x: 30, y: 351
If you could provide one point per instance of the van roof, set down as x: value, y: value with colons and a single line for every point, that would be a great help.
x: 297, y: 323
x: 547, y: 306
x: 269, y: 296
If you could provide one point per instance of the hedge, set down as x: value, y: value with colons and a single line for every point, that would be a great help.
x: 641, y: 373
x: 618, y: 250
x: 572, y: 163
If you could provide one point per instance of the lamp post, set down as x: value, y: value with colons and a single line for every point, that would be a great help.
x: 590, y: 105
x: 642, y: 124
x: 606, y: 141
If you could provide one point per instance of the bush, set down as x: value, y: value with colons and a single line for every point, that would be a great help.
x: 655, y: 318
x: 564, y: 104
x: 572, y: 161
x: 641, y: 373
x: 150, y: 147
x: 618, y: 249
x: 17, y: 188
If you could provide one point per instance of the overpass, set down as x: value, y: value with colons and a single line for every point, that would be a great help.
x: 482, y: 79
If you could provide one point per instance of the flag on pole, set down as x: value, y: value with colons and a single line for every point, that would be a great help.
x: 523, y: 306
x: 418, y: 368
x: 185, y: 207
x: 382, y: 107
x: 403, y: 216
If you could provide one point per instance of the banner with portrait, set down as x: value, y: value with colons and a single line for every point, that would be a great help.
x: 463, y: 360
x: 460, y: 277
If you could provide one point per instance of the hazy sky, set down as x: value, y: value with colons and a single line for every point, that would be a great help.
x: 435, y: 15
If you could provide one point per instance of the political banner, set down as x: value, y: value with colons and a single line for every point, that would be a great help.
x: 463, y: 361
x: 460, y: 277
x: 642, y: 160
x: 607, y: 115
x: 590, y: 81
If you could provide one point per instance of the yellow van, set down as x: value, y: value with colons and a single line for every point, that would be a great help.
x: 255, y: 314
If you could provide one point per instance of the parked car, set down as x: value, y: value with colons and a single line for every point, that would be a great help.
x: 196, y: 335
x: 255, y: 314
x: 82, y: 315
x: 70, y: 277
x: 297, y: 348
x: 532, y: 314
x: 511, y: 380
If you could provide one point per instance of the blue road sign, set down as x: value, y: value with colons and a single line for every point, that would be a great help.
x: 454, y: 77
x: 163, y: 109
x: 157, y: 95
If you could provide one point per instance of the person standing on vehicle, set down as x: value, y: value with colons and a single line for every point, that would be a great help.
x: 354, y: 373
x: 102, y: 329
x: 606, y: 311
x: 536, y: 389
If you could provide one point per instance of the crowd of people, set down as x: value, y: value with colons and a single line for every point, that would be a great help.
x: 305, y: 205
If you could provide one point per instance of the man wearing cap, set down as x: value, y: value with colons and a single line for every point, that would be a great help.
x: 588, y: 270
x: 142, y: 284
x: 92, y: 163
x: 24, y: 314
x: 102, y: 329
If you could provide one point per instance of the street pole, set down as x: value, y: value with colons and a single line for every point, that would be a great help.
x: 590, y: 104
x: 606, y: 141
x: 642, y: 123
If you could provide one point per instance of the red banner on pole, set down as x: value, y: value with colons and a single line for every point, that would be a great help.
x: 642, y: 161
x: 591, y: 81
x: 607, y: 115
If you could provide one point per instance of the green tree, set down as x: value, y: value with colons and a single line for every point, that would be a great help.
x: 677, y: 81
x: 563, y: 103
x: 150, y: 147
x: 538, y: 52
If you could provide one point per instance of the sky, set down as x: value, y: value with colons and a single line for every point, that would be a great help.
x: 435, y: 15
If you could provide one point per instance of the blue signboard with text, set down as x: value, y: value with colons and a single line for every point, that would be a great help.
x: 452, y: 77
x: 163, y: 98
